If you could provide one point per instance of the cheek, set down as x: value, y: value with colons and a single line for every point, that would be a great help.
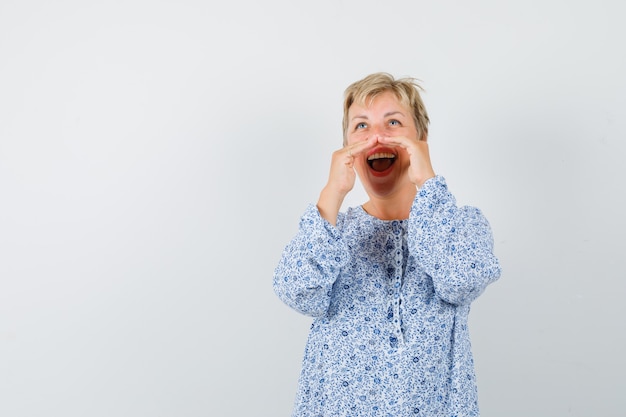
x: 403, y: 158
x: 360, y: 166
x: 404, y: 155
x: 357, y: 137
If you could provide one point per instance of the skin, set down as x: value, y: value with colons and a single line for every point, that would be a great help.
x: 385, y: 125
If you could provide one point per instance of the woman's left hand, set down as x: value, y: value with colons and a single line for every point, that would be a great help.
x: 420, y: 168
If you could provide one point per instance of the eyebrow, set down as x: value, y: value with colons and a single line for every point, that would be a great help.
x: 391, y: 113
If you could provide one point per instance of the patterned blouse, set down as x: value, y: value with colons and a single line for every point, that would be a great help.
x: 390, y: 301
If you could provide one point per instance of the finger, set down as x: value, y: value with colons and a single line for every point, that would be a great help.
x: 401, y: 141
x: 358, y: 148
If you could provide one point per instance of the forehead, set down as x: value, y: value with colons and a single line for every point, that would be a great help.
x: 386, y: 100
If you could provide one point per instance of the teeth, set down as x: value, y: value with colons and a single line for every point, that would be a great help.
x: 380, y: 155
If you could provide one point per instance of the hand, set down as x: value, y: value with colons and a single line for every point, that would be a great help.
x: 342, y: 175
x: 420, y: 168
x: 341, y: 178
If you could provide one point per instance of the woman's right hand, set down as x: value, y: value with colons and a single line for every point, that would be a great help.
x: 341, y: 178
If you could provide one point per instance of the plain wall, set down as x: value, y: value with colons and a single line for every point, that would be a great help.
x: 155, y: 157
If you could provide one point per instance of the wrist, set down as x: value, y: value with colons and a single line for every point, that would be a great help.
x: 329, y: 204
x: 419, y: 181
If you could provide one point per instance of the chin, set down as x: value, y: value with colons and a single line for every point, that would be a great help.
x: 382, y: 186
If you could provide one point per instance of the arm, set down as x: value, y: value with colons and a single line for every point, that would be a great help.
x: 310, y: 265
x: 453, y: 244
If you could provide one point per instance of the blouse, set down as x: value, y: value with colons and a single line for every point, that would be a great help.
x: 390, y: 301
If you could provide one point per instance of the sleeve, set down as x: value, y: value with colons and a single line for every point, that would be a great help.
x: 310, y: 264
x: 453, y: 245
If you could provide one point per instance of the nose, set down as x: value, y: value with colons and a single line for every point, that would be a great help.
x: 380, y: 129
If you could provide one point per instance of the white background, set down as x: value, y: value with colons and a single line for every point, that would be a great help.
x: 155, y: 157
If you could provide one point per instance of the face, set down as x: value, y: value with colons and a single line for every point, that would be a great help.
x: 382, y: 169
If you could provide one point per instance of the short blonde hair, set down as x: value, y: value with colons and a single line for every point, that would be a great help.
x: 407, y: 90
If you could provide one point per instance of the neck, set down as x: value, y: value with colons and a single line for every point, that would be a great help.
x: 392, y: 207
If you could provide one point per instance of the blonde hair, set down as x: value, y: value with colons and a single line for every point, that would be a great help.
x: 407, y: 90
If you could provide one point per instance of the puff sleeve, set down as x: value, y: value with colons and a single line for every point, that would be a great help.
x: 453, y: 245
x: 310, y: 264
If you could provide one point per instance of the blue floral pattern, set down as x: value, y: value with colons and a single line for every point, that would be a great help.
x: 391, y: 302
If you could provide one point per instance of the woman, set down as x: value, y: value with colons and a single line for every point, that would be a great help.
x: 389, y: 282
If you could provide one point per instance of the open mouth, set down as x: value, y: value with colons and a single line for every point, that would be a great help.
x: 381, y: 161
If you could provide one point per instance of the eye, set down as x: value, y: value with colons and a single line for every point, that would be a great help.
x: 394, y: 122
x: 361, y: 125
